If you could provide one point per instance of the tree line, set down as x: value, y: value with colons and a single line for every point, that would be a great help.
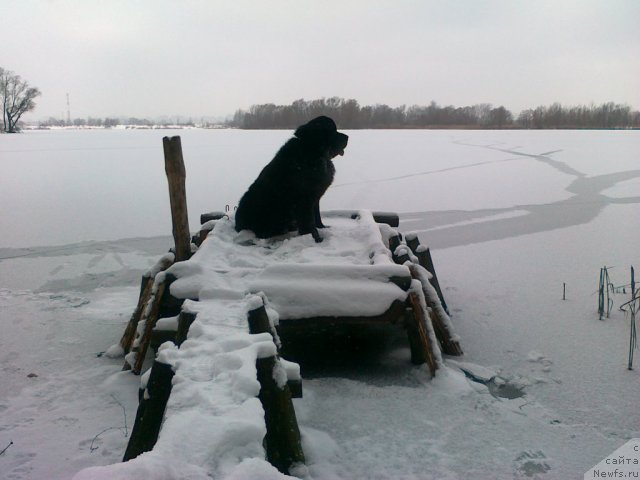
x: 348, y: 114
x: 109, y: 122
x: 18, y: 97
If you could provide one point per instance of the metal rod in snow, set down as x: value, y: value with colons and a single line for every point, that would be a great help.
x: 632, y: 326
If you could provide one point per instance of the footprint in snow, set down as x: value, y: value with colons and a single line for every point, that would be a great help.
x: 537, y: 357
x: 531, y: 464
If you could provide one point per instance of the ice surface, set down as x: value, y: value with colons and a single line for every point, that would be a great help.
x: 501, y: 278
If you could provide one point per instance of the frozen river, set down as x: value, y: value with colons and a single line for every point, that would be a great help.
x: 61, y: 187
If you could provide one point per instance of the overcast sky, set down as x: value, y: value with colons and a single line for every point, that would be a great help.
x: 196, y: 58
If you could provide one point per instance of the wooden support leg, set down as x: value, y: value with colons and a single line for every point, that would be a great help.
x: 150, y: 411
x: 425, y: 261
x: 421, y: 342
x: 283, y: 444
x: 424, y: 258
x: 130, y: 332
x: 146, y: 285
x: 184, y: 323
x: 149, y: 317
x: 439, y: 318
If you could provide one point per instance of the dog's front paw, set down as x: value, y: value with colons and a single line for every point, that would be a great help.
x: 317, y: 237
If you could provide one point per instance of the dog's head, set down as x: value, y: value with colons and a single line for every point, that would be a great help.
x: 322, y: 132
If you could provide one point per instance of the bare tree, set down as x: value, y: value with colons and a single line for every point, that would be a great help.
x: 16, y: 98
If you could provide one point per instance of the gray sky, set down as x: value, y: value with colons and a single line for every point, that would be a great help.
x: 206, y: 57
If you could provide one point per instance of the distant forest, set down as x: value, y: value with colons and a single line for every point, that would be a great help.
x: 348, y: 114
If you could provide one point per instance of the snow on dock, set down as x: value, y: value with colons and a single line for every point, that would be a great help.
x: 214, y: 421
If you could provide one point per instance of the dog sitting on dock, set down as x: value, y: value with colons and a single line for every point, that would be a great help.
x: 286, y: 195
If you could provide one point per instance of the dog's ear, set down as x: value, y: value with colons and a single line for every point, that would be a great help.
x: 318, y: 128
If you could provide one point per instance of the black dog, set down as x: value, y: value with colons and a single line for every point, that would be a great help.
x: 286, y: 194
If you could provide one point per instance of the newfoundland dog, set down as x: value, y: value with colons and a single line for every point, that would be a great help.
x: 286, y: 194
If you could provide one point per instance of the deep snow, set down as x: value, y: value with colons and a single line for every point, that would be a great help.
x: 521, y: 214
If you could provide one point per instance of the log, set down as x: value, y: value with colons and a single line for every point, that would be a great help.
x: 130, y: 332
x: 158, y: 337
x: 259, y: 321
x: 206, y: 217
x: 170, y: 306
x: 146, y: 284
x: 439, y: 318
x: 150, y: 317
x: 394, y: 242
x: 418, y: 328
x: 176, y: 175
x: 418, y: 356
x: 401, y: 255
x: 150, y: 411
x: 282, y: 442
x: 184, y: 323
x: 425, y: 260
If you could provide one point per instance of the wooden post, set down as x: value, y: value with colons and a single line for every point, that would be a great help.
x: 394, y: 242
x: 176, y: 175
x: 439, y: 319
x: 259, y: 321
x: 185, y: 319
x: 150, y: 411
x: 424, y: 259
x: 417, y: 328
x: 283, y: 444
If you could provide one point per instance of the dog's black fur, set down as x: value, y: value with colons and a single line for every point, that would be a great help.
x: 286, y: 194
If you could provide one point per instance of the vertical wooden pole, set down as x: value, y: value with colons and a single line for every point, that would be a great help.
x: 185, y: 319
x: 282, y: 442
x: 150, y: 411
x: 176, y: 176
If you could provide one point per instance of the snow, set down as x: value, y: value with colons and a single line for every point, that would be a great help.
x: 503, y: 241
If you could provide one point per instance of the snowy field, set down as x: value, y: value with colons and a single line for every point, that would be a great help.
x: 510, y: 217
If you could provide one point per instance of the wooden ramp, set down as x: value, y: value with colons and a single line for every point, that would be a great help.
x: 216, y: 320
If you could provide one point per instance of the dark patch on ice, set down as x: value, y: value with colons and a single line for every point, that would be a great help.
x: 532, y: 464
x: 586, y: 204
x: 497, y: 386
